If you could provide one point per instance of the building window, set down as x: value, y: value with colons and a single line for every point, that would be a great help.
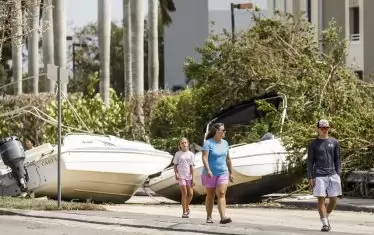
x: 354, y: 23
x: 359, y: 74
x: 309, y: 10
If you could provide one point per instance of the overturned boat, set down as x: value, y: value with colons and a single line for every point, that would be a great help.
x: 93, y: 167
x: 259, y: 168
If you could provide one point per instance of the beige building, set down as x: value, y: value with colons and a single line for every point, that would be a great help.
x: 353, y: 16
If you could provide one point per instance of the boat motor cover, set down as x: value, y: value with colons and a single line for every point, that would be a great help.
x: 11, y: 150
x: 245, y: 112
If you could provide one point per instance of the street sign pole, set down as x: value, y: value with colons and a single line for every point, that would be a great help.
x: 61, y: 74
x: 59, y: 138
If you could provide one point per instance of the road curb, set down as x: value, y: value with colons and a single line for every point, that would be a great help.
x: 339, y: 207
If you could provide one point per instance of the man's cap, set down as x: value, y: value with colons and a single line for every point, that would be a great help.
x: 323, y: 123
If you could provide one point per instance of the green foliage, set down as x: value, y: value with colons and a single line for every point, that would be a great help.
x: 19, y: 117
x: 88, y: 113
x: 174, y: 117
x: 280, y: 54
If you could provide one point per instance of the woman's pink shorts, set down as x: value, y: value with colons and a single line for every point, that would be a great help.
x: 183, y: 182
x: 212, y: 182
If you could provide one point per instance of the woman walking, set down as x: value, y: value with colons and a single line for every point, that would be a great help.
x: 183, y: 168
x: 217, y: 171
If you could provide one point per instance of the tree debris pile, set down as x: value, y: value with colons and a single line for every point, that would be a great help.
x: 281, y: 55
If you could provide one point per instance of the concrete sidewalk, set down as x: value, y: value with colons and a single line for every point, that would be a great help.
x: 295, y: 201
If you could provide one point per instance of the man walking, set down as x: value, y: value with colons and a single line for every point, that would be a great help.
x: 324, y: 169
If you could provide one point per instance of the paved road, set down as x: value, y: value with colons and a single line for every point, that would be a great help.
x: 32, y: 226
x: 166, y: 219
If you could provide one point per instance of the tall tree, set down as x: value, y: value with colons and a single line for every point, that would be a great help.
x: 153, y: 56
x: 33, y: 45
x: 137, y: 44
x: 48, y: 50
x: 165, y: 7
x: 104, y: 45
x: 59, y: 34
x: 17, y: 44
x: 127, y: 49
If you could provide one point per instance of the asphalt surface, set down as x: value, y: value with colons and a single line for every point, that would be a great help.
x: 33, y: 226
x: 166, y: 219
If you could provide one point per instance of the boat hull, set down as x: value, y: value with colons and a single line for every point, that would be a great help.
x: 91, y: 170
x: 91, y: 186
x: 96, y: 174
x: 258, y: 169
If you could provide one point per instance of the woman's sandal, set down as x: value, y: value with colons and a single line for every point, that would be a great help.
x: 225, y: 220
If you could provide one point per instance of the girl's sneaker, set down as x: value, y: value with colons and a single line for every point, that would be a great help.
x: 185, y: 215
x: 188, y: 212
x: 209, y: 220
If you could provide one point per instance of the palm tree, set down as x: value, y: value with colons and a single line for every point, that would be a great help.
x: 104, y: 45
x: 33, y: 45
x: 127, y: 48
x: 164, y: 8
x: 137, y: 44
x: 153, y: 62
x: 17, y: 44
x: 59, y: 35
x: 47, y: 42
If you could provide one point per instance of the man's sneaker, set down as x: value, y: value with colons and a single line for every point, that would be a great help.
x: 209, y: 220
x: 185, y: 215
x: 325, y: 228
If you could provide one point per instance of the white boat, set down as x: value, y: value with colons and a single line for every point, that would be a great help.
x: 96, y: 167
x: 259, y: 168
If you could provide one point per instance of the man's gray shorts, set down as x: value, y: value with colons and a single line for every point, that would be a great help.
x: 329, y: 186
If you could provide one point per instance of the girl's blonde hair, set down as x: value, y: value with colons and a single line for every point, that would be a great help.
x: 180, y: 140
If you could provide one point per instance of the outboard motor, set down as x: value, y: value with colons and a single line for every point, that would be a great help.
x: 13, y: 155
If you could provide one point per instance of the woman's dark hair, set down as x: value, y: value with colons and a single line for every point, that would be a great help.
x: 213, y: 130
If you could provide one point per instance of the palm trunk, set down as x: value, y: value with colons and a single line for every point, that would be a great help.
x: 59, y: 33
x: 48, y: 50
x: 137, y: 30
x: 153, y: 63
x: 104, y: 45
x: 33, y: 46
x: 127, y: 49
x: 17, y: 44
x: 138, y: 44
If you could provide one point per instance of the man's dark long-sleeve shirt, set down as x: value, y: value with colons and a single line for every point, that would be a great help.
x: 324, y: 158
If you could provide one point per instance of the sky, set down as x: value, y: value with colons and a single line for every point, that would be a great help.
x: 82, y: 12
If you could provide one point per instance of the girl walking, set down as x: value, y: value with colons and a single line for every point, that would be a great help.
x: 183, y: 168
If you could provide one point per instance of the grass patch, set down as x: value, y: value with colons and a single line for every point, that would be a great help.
x: 44, y: 204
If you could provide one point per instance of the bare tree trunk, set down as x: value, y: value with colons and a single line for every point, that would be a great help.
x: 153, y: 63
x: 129, y: 89
x: 48, y: 50
x: 33, y: 45
x: 59, y: 33
x: 17, y: 44
x: 104, y: 45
